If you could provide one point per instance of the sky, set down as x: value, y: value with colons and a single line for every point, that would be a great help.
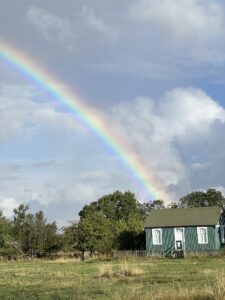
x: 153, y: 69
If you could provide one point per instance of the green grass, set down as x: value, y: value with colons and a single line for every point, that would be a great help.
x: 144, y: 278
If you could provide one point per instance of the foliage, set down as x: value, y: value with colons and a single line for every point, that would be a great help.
x: 114, y: 221
x: 210, y: 198
x: 69, y: 237
x: 146, y: 207
x: 32, y: 233
x: 94, y: 233
x: 121, y: 217
x: 19, y: 222
x: 5, y: 230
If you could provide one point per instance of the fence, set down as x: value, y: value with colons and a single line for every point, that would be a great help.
x: 129, y: 253
x: 117, y: 254
x: 143, y: 253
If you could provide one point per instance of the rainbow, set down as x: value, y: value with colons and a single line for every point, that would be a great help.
x: 91, y: 118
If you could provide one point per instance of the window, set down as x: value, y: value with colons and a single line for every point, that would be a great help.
x: 157, y: 236
x: 202, y: 235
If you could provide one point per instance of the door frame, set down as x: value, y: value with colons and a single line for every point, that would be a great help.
x: 183, y: 237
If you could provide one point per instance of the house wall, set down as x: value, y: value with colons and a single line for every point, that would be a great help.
x: 218, y: 241
x: 191, y: 240
x: 217, y: 238
x: 167, y: 240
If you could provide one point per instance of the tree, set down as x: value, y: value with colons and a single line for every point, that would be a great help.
x: 32, y: 234
x: 174, y: 205
x: 19, y: 222
x: 94, y: 233
x: 69, y: 237
x: 5, y: 231
x: 114, y: 206
x: 214, y: 197
x: 51, y: 242
x: 122, y: 212
x: 146, y: 207
x: 40, y: 232
x: 198, y: 198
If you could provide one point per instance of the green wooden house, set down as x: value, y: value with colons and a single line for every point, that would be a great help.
x: 185, y: 230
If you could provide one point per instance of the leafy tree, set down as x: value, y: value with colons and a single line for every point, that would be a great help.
x: 214, y: 197
x: 32, y: 234
x: 40, y: 232
x: 51, y: 242
x: 19, y: 222
x: 122, y: 212
x: 5, y: 230
x: 146, y: 207
x: 94, y: 233
x: 69, y: 237
x: 198, y: 198
x: 131, y: 237
x: 114, y: 206
x: 174, y: 205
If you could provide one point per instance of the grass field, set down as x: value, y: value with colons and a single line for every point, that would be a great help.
x: 144, y: 278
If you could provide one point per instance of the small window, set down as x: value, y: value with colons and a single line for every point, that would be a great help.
x: 202, y: 235
x: 157, y: 236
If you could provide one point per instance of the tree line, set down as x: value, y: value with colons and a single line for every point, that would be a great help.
x: 115, y: 221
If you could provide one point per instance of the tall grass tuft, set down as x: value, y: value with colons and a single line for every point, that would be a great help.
x: 121, y: 270
x: 126, y: 269
x: 219, y: 287
x: 105, y: 271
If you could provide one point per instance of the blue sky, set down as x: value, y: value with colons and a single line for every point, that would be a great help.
x: 155, y: 69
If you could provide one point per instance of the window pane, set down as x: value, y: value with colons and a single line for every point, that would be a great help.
x: 156, y: 236
x: 202, y: 235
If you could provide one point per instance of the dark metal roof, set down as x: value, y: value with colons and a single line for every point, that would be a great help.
x: 196, y: 216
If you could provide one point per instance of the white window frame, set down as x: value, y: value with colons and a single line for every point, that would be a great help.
x: 154, y: 242
x: 183, y: 236
x: 200, y: 239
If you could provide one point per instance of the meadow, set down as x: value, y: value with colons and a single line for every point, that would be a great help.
x: 139, y: 279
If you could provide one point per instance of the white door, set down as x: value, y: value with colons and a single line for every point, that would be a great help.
x: 179, y: 238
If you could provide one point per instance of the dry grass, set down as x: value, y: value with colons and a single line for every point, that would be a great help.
x: 64, y: 260
x: 130, y: 279
x: 210, y: 291
x: 185, y: 294
x: 122, y: 270
x: 105, y: 271
x: 126, y: 269
x: 218, y: 289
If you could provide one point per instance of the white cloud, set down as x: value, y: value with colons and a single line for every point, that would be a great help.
x: 187, y: 113
x: 20, y: 114
x: 161, y: 133
x: 7, y: 205
x: 97, y: 24
x: 192, y: 24
x: 50, y: 25
x: 68, y: 197
x: 58, y: 193
x: 186, y: 19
